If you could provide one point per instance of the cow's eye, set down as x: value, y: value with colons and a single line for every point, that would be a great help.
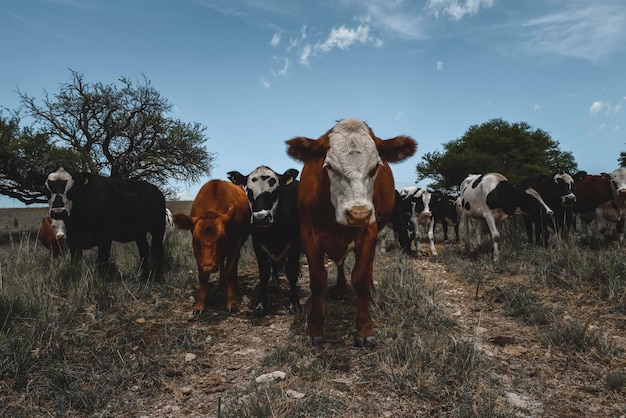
x: 329, y: 168
x: 373, y: 171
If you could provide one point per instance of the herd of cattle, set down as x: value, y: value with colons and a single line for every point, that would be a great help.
x: 345, y: 196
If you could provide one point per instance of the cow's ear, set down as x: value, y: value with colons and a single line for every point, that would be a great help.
x: 183, y: 221
x: 305, y: 149
x: 289, y: 176
x: 237, y: 178
x: 396, y: 149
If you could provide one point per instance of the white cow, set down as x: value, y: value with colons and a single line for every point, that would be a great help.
x: 416, y: 203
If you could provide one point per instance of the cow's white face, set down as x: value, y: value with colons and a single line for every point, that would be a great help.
x: 58, y: 229
x: 262, y: 187
x: 59, y: 183
x: 564, y: 183
x: 352, y: 164
x: 618, y: 183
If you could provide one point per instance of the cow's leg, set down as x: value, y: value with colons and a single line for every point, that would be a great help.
x: 293, y: 271
x: 361, y: 279
x: 103, y: 257
x: 200, y: 304
x: 444, y: 226
x: 144, y: 253
x: 417, y: 236
x: 265, y: 267
x: 431, y: 236
x: 495, y: 235
x: 528, y: 226
x: 342, y: 285
x: 232, y: 304
x: 466, y: 223
x: 318, y: 281
x: 620, y: 229
x: 156, y: 255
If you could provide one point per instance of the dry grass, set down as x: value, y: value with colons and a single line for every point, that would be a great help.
x: 538, y: 334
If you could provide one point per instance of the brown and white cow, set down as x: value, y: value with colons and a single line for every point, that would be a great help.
x: 346, y: 196
x: 220, y: 224
x: 52, y: 235
x: 601, y: 198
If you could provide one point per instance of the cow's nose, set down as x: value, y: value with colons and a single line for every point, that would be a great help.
x: 262, y: 217
x: 426, y: 214
x: 358, y: 215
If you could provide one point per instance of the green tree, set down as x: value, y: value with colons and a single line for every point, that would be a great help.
x: 515, y: 150
x: 122, y: 130
x: 622, y: 159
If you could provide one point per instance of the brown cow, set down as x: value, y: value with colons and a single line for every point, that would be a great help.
x: 219, y: 223
x: 346, y: 196
x: 600, y: 198
x: 52, y: 235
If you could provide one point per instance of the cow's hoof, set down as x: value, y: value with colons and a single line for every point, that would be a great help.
x: 259, y: 311
x: 368, y: 342
x: 233, y: 309
x: 319, y: 340
x: 198, y: 312
x: 295, y: 309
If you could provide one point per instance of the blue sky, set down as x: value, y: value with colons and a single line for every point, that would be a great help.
x: 257, y: 73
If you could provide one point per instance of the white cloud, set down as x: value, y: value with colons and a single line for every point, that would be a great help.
x: 456, y: 9
x: 303, y: 31
x: 304, y: 54
x: 537, y: 107
x: 275, y: 39
x: 343, y: 37
x: 439, y: 66
x: 265, y: 83
x: 580, y: 29
x: 605, y: 108
x: 285, y: 67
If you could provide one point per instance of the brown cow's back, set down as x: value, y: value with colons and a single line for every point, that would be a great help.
x: 591, y: 191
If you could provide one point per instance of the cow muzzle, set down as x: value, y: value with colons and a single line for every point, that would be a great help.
x: 262, y: 218
x: 358, y: 216
x: 568, y: 200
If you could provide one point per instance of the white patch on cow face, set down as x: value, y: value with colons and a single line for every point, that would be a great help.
x: 618, y: 184
x: 59, y: 183
x: 262, y: 185
x: 565, y: 182
x: 58, y: 228
x: 352, y: 164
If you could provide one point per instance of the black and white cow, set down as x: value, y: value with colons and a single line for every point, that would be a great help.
x: 98, y: 210
x: 444, y: 210
x: 275, y: 228
x: 417, y: 205
x: 493, y: 198
x: 556, y: 192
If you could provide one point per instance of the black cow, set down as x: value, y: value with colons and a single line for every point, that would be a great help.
x: 98, y: 210
x: 444, y: 211
x: 400, y: 221
x: 556, y: 192
x: 275, y: 229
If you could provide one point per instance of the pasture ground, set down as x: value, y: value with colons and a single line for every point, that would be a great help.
x: 213, y: 360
